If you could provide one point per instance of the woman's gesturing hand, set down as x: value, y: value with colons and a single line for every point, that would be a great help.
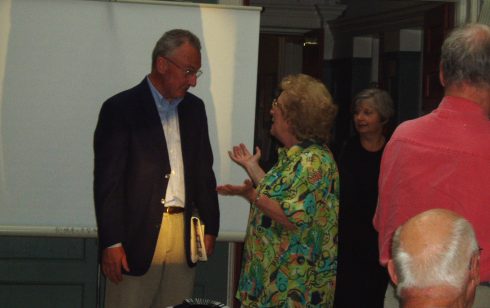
x: 242, y: 156
x: 246, y: 190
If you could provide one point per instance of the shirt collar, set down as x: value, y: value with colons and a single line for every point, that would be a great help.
x: 284, y: 153
x: 461, y: 109
x: 160, y: 100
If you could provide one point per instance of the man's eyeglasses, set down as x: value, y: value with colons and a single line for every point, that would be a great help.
x: 188, y: 72
x: 274, y: 103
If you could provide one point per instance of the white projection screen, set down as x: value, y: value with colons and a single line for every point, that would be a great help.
x: 61, y: 59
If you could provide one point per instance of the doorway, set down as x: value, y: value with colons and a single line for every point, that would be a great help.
x: 280, y: 55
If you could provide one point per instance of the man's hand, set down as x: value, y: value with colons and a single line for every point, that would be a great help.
x: 112, y: 260
x: 209, y: 241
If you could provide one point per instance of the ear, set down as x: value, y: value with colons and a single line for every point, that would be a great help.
x: 441, y: 76
x: 392, y: 271
x: 475, y: 268
x: 161, y: 65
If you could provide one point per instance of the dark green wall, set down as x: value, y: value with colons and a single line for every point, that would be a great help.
x: 63, y: 272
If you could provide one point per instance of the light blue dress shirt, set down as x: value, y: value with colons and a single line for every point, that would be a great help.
x: 167, y: 110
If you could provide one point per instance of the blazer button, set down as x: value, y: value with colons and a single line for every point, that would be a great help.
x: 157, y: 226
x: 167, y: 176
x: 162, y: 201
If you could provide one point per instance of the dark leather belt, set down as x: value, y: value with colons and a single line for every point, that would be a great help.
x: 173, y: 209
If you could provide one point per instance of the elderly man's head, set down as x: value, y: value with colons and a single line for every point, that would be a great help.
x: 465, y: 56
x: 435, y: 258
x: 465, y: 63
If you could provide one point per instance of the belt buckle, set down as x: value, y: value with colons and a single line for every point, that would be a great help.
x: 173, y: 209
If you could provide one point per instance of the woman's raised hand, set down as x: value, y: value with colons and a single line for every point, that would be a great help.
x: 242, y: 156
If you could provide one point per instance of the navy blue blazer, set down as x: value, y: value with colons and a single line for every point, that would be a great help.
x: 131, y: 164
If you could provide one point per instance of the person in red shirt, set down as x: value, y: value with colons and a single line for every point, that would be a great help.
x: 442, y: 160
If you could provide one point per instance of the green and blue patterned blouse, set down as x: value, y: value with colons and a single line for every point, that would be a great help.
x: 294, y: 268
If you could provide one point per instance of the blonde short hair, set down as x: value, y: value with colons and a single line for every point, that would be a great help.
x: 309, y: 107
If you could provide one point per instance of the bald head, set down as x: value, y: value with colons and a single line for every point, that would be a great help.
x: 433, y: 249
x: 427, y: 233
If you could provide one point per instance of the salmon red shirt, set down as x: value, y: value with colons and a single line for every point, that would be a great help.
x: 440, y: 160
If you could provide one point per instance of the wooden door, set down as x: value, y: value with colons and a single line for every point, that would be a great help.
x: 313, y: 53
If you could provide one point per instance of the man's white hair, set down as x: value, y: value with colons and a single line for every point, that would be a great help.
x: 445, y: 263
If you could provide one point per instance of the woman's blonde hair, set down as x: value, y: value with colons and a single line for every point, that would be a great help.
x: 308, y: 107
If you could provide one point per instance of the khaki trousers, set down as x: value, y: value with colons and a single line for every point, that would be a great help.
x: 168, y: 281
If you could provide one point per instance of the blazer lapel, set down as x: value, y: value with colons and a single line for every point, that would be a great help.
x: 152, y: 131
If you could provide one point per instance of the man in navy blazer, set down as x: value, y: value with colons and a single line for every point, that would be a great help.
x: 153, y: 169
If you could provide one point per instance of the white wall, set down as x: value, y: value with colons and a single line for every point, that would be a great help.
x: 61, y: 59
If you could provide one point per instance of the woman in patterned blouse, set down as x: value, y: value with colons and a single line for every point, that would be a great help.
x: 290, y: 250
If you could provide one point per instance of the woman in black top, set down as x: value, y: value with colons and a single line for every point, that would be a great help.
x: 361, y: 280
